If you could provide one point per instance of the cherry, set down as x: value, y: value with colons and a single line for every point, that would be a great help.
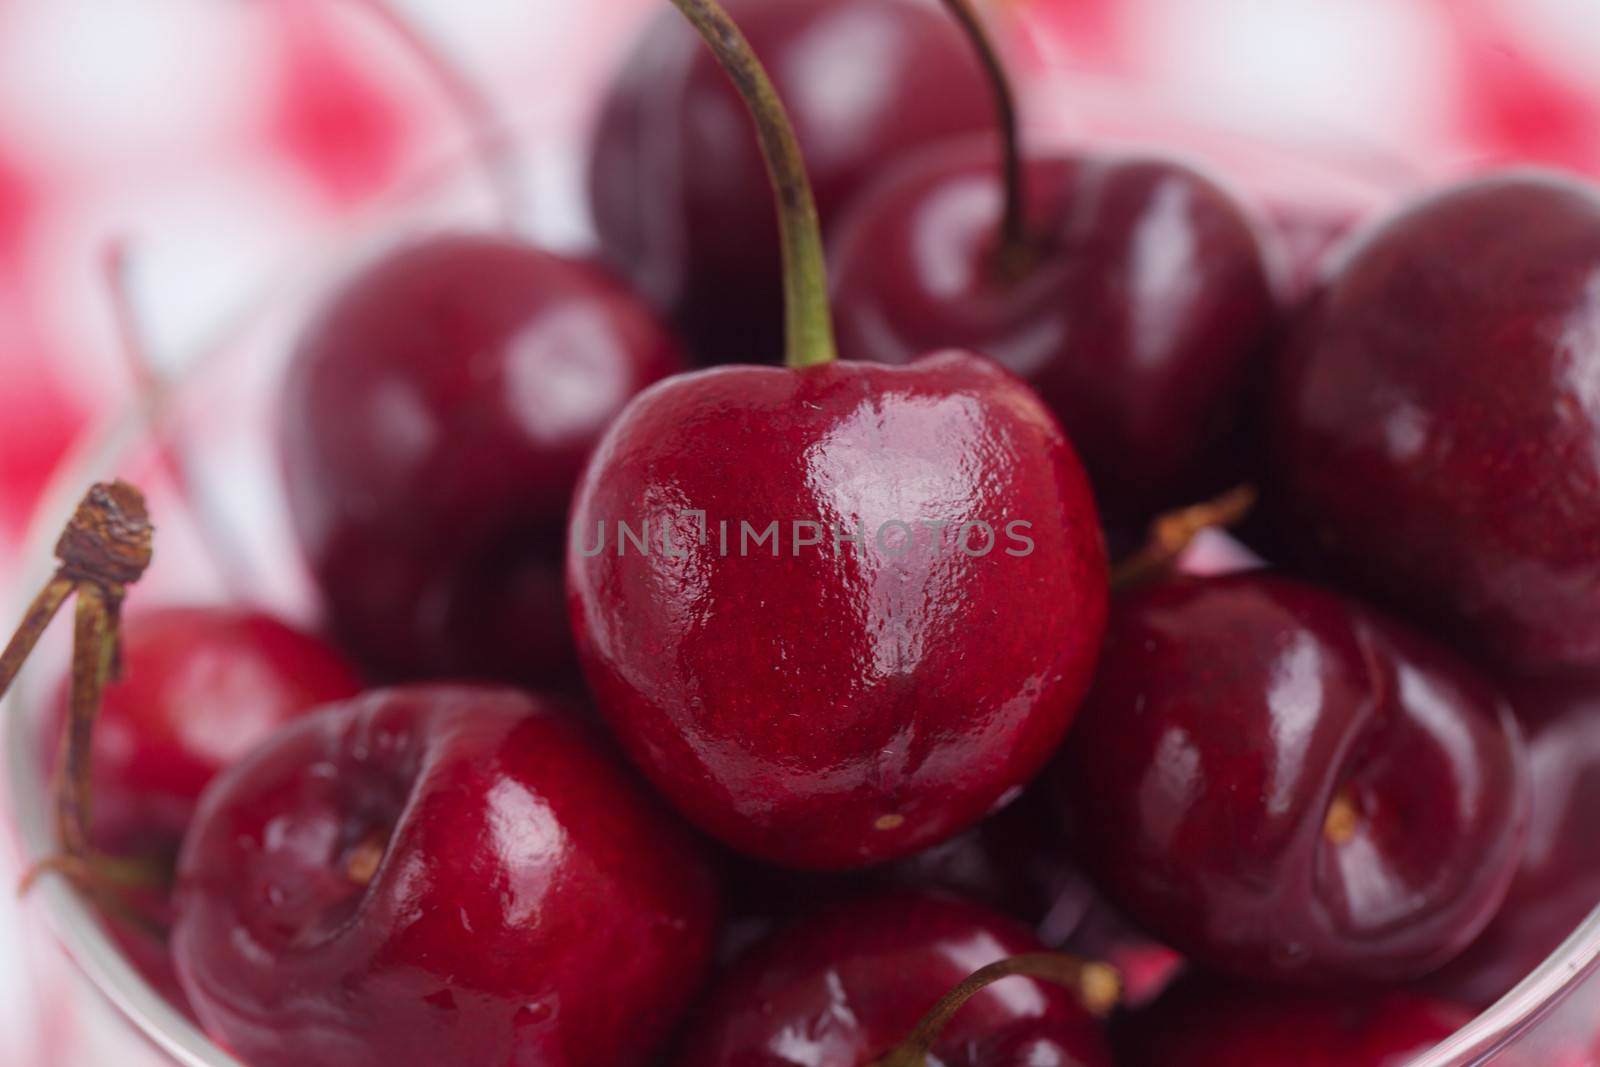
x: 1139, y: 316
x: 676, y: 181
x: 811, y: 701
x: 439, y: 874
x: 842, y: 987
x: 200, y: 687
x: 1435, y: 435
x: 1131, y: 292
x: 435, y: 421
x: 1203, y: 1023
x: 837, y: 705
x: 1557, y: 884
x: 1283, y: 785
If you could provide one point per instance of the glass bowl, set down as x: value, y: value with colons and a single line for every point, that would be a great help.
x: 222, y: 547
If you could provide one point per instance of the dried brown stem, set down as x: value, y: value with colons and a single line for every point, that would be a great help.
x: 105, y: 547
x: 1171, y: 534
x: 34, y: 623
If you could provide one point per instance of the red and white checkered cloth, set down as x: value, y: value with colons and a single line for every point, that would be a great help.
x: 224, y: 138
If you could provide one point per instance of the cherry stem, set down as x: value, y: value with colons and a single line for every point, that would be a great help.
x: 105, y: 547
x: 1097, y: 986
x: 808, y: 316
x: 1014, y: 250
x: 471, y: 104
x: 1171, y: 535
x: 229, y: 561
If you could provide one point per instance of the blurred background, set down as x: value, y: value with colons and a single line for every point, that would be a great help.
x: 220, y: 142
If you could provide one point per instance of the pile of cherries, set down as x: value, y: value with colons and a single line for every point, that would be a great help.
x: 636, y: 788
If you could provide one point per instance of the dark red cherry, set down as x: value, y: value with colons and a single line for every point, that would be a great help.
x: 1139, y: 311
x: 439, y: 874
x: 436, y: 418
x: 817, y: 702
x: 1202, y: 1022
x: 1436, y: 421
x: 1558, y: 882
x: 679, y: 193
x: 843, y: 987
x: 200, y: 688
x: 1284, y: 785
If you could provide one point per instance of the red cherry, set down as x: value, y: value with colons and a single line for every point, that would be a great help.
x: 1283, y: 785
x: 818, y: 702
x: 1436, y: 427
x: 1202, y: 1022
x: 834, y: 705
x: 676, y: 181
x: 438, y: 875
x: 1139, y: 310
x: 844, y: 987
x: 436, y: 418
x: 1558, y: 882
x: 200, y: 688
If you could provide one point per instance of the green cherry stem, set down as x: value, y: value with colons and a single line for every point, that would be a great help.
x: 808, y: 316
x: 1096, y: 985
x: 1014, y: 253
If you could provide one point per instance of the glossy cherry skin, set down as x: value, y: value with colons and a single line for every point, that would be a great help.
x: 844, y: 986
x: 836, y: 704
x: 1557, y: 884
x: 533, y: 904
x: 1435, y: 433
x: 680, y: 194
x: 200, y: 688
x: 1141, y: 318
x: 435, y: 420
x: 1202, y: 1022
x: 1283, y: 785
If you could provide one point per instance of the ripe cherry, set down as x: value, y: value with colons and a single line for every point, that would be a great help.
x: 676, y: 180
x: 835, y: 705
x: 1435, y: 426
x: 1283, y: 785
x: 1201, y: 1022
x: 843, y: 987
x: 439, y: 874
x: 1557, y: 884
x: 200, y: 687
x: 816, y: 702
x: 1131, y: 292
x: 435, y: 421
